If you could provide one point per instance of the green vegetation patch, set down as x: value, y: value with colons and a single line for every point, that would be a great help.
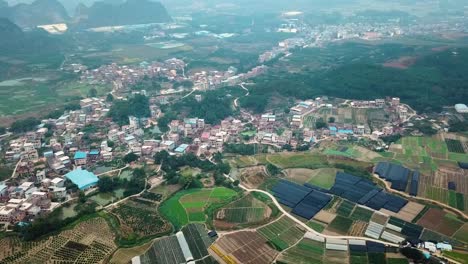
x: 376, y: 257
x: 282, y: 233
x: 189, y: 205
x: 316, y: 226
x: 397, y: 261
x: 306, y: 251
x: 345, y: 208
x: 457, y: 255
x: 455, y: 146
x: 341, y: 224
x: 325, y: 178
x: 361, y: 214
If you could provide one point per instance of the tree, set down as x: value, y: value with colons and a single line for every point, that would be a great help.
x: 272, y: 169
x: 2, y: 130
x: 218, y: 157
x: 236, y: 183
x: 287, y: 147
x: 320, y: 124
x: 106, y: 184
x: 130, y: 157
x: 304, y: 147
x: 331, y: 119
x: 92, y: 92
x: 24, y: 125
x: 109, y: 98
x: 110, y: 143
x: 82, y: 197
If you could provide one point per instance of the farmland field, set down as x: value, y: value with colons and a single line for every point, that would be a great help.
x: 189, y: 205
x: 243, y: 247
x: 91, y: 241
x: 324, y: 177
x: 140, y: 220
x: 440, y: 221
x: 358, y: 258
x: 246, y: 211
x: 345, y: 208
x: 336, y: 257
x: 315, y: 225
x: 197, y: 240
x: 282, y: 233
x: 455, y: 146
x: 340, y: 225
x: 361, y: 214
x: 307, y: 251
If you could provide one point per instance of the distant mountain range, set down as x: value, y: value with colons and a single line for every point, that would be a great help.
x: 102, y: 13
x: 39, y: 12
x: 126, y: 13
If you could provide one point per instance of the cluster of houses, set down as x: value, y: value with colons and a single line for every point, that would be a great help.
x: 122, y: 77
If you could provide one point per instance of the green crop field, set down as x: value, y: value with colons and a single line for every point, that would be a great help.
x: 345, y: 208
x: 282, y: 233
x: 340, y: 224
x: 358, y: 258
x: 297, y: 160
x: 319, y: 227
x: 376, y: 257
x: 307, y: 251
x: 397, y: 261
x: 361, y: 214
x: 324, y: 178
x: 189, y: 205
x: 462, y: 234
x: 454, y: 146
x: 462, y: 257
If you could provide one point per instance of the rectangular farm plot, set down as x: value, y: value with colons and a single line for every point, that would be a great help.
x: 455, y: 146
x: 440, y: 221
x: 197, y: 240
x: 307, y: 251
x: 243, y: 247
x: 282, y: 233
x: 361, y: 214
x: 407, y: 213
x: 336, y: 257
x: 462, y: 234
x: 345, y: 208
x: 340, y: 225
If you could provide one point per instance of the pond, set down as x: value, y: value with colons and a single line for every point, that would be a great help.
x: 68, y: 211
x: 107, y: 198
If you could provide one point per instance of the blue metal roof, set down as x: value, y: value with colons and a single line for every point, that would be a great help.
x: 181, y: 148
x: 82, y: 178
x: 80, y: 155
x: 332, y: 128
x: 94, y: 152
x: 345, y: 131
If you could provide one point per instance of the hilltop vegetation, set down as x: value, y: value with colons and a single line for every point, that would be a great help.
x: 434, y: 81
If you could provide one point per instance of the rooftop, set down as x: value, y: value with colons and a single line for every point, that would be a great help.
x: 82, y: 178
x: 80, y: 155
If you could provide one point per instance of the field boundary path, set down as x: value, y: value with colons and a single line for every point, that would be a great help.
x: 131, y: 196
x: 119, y: 170
x: 389, y: 189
